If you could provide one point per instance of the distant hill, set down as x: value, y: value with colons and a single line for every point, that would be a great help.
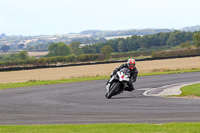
x: 191, y: 28
x: 85, y: 37
x: 86, y: 32
x: 107, y: 33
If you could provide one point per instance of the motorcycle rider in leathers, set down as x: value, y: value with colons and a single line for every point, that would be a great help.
x: 133, y: 74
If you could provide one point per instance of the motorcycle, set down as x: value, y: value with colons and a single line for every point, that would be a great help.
x: 118, y: 82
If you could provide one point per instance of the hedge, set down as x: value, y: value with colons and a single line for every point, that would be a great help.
x: 89, y: 57
x: 51, y: 60
x: 135, y: 54
x: 176, y: 53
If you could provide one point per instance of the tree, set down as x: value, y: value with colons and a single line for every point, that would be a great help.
x: 106, y: 51
x: 121, y: 47
x: 5, y: 48
x: 23, y: 55
x: 75, y: 48
x: 176, y: 38
x: 172, y: 41
x: 163, y: 37
x: 132, y: 43
x: 196, y: 39
x: 58, y: 49
x: 186, y: 44
x: 144, y: 42
x: 88, y: 49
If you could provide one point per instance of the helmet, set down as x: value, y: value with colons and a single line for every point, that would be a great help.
x: 131, y: 63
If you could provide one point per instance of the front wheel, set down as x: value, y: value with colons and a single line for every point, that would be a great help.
x: 114, y: 89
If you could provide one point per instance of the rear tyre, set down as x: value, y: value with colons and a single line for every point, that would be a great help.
x: 114, y: 90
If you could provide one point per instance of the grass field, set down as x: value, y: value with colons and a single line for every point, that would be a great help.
x: 97, y: 70
x: 37, y: 53
x: 104, y: 128
x: 29, y: 53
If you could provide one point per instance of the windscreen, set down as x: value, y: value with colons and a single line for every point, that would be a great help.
x: 126, y: 71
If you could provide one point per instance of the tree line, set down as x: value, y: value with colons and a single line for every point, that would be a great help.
x: 134, y: 43
x: 74, y: 52
x: 142, y: 43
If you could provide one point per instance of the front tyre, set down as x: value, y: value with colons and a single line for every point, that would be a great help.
x: 114, y: 89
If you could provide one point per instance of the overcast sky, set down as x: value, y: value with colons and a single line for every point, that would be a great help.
x: 49, y: 17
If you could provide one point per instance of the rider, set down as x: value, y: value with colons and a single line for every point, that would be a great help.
x: 133, y: 74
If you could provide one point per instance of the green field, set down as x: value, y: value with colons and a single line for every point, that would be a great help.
x: 104, y: 128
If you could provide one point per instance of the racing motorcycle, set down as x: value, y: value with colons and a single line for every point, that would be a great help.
x: 118, y: 82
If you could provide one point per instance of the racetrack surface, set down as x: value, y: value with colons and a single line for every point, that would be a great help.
x: 85, y: 103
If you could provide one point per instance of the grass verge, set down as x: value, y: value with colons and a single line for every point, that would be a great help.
x: 168, y: 71
x: 104, y: 128
x: 191, y: 90
x: 48, y: 82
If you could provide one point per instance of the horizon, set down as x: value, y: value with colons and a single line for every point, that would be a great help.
x: 98, y: 30
x: 56, y: 17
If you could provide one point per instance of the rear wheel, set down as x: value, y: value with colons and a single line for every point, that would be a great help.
x: 114, y: 89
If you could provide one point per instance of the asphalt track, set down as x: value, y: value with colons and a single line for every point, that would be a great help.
x: 85, y: 103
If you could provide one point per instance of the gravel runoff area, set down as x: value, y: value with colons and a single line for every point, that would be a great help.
x: 96, y: 70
